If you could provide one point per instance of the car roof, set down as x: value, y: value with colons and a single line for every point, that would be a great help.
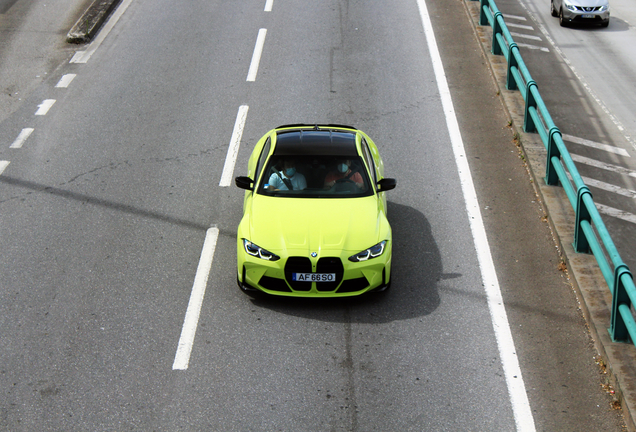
x: 323, y: 140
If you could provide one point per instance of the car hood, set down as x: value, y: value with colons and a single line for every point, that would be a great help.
x: 588, y: 3
x: 305, y: 225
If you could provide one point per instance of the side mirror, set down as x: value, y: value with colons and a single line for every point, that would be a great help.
x: 244, y: 182
x: 387, y: 184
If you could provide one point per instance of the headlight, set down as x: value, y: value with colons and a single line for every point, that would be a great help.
x: 569, y: 6
x: 372, y: 252
x: 259, y: 252
x: 604, y: 8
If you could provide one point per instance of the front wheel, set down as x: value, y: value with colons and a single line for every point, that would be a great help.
x: 562, y: 20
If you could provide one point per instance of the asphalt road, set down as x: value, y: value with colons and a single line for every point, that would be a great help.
x: 105, y: 207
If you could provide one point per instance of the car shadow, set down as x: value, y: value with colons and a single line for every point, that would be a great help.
x: 615, y: 25
x: 416, y: 271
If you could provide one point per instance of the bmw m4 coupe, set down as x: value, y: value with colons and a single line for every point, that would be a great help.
x: 314, y: 214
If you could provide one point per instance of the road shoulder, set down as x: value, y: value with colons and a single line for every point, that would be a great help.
x: 563, y: 366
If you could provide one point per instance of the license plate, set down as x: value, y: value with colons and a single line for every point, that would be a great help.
x: 588, y: 16
x: 314, y: 277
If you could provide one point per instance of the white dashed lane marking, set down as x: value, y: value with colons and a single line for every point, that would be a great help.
x: 191, y: 321
x: 232, y: 151
x: 3, y: 165
x: 44, y: 107
x: 22, y: 137
x: 65, y: 81
x: 186, y: 341
x: 256, y: 56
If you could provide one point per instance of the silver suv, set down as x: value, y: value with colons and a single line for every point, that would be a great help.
x: 581, y: 11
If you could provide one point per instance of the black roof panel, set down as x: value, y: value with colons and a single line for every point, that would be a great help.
x: 316, y: 142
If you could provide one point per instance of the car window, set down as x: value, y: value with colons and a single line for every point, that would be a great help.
x: 262, y: 159
x: 369, y: 159
x: 321, y: 176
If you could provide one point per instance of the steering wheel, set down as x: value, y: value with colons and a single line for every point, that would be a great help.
x: 348, y: 178
x: 344, y: 180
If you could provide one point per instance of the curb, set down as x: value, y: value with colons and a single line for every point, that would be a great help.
x: 595, y: 298
x: 91, y: 21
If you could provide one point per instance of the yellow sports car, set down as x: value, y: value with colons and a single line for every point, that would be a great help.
x: 314, y: 214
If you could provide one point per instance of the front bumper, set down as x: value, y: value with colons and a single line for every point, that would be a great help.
x: 352, y: 278
x: 580, y: 16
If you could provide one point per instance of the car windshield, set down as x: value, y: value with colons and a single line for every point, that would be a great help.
x: 315, y: 177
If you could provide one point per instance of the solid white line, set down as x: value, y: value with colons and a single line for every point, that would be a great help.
x: 44, y: 107
x: 84, y: 56
x: 268, y: 5
x: 65, y: 80
x: 191, y: 321
x: 602, y: 165
x: 503, y: 335
x: 256, y: 56
x: 22, y: 137
x: 235, y: 142
x: 593, y: 144
x: 3, y: 165
x: 619, y: 214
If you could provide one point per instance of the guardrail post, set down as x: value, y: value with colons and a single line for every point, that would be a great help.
x: 618, y: 329
x: 551, y: 176
x: 511, y: 84
x: 528, y: 123
x: 581, y: 244
x: 496, y: 29
x: 483, y: 18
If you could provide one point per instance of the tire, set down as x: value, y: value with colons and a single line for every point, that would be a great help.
x: 562, y: 21
x: 553, y: 11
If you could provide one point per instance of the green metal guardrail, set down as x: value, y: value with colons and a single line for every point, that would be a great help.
x: 590, y: 233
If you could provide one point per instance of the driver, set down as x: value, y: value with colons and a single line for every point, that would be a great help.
x: 288, y: 178
x: 343, y: 173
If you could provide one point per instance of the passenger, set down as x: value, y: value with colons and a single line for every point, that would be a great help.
x: 344, y: 173
x: 288, y: 178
